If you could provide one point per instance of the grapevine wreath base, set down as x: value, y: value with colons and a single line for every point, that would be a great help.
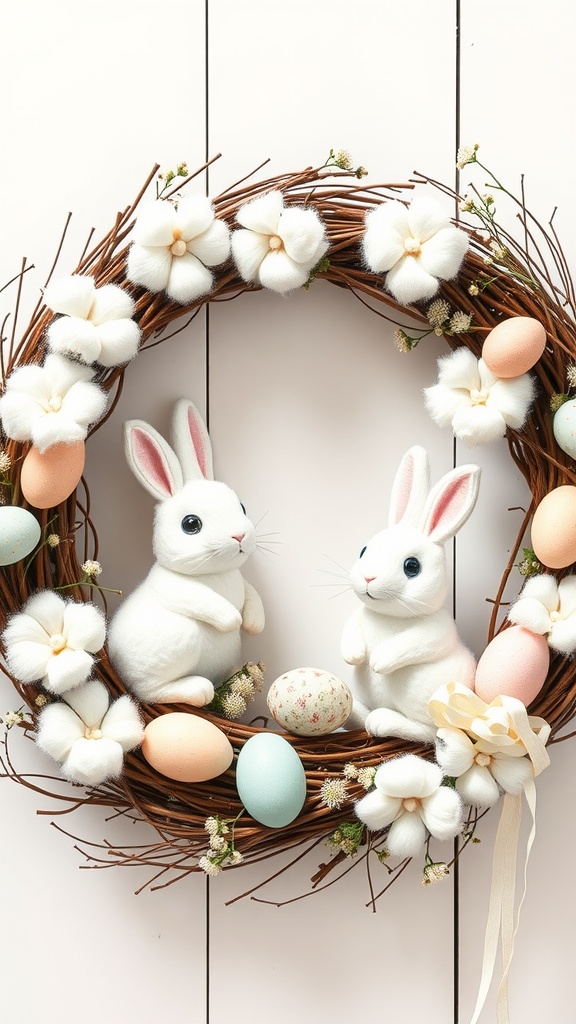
x: 497, y: 279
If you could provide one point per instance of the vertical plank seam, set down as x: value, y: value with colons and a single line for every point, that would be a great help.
x: 207, y: 403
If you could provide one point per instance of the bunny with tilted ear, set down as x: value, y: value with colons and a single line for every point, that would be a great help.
x: 402, y: 641
x: 178, y: 634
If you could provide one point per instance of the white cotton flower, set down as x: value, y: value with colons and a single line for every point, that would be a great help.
x: 87, y: 735
x: 52, y: 403
x: 410, y: 798
x: 278, y: 245
x: 416, y: 246
x: 477, y: 405
x: 548, y: 607
x: 173, y: 248
x: 52, y: 641
x: 96, y: 325
x: 480, y: 771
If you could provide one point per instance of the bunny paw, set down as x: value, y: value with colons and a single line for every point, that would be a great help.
x: 385, y: 722
x: 194, y: 690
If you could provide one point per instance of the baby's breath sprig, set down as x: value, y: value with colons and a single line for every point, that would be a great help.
x: 222, y: 851
x: 363, y: 775
x: 334, y: 793
x: 443, y: 321
x: 168, y: 177
x: 90, y: 570
x: 434, y: 871
x: 347, y: 838
x: 12, y: 718
x: 528, y: 564
x: 341, y: 158
x: 233, y: 696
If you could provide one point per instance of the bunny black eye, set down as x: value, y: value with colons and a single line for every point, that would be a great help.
x: 362, y: 552
x: 191, y: 524
x: 411, y: 567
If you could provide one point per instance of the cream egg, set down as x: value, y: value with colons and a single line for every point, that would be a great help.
x: 515, y: 663
x: 309, y: 701
x: 514, y: 346
x: 49, y: 477
x: 553, y: 531
x: 186, y: 748
x: 19, y: 533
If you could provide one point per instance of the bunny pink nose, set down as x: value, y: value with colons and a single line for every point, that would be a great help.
x: 239, y: 537
x: 369, y: 579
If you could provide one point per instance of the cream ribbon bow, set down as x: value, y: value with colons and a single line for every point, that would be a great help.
x: 503, y: 727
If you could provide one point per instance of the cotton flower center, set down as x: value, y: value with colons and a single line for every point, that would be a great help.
x: 57, y: 643
x: 92, y: 733
x: 411, y: 804
x: 54, y: 404
x: 479, y: 396
x: 412, y: 247
x: 484, y: 760
x: 276, y: 243
x: 178, y: 247
x: 555, y: 616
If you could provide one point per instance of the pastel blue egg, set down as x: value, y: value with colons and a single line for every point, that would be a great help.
x: 271, y: 780
x: 19, y: 533
x: 564, y: 427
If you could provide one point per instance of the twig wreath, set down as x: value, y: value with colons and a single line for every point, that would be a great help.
x: 507, y: 312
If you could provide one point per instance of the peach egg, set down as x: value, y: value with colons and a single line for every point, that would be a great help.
x: 515, y: 663
x: 186, y: 747
x: 554, y: 528
x: 49, y: 477
x: 514, y: 346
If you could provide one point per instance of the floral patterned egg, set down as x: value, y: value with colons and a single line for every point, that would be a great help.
x: 309, y: 701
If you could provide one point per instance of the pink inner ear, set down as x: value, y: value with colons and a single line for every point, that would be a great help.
x: 448, y: 506
x: 198, y: 442
x: 151, y: 462
x: 404, y: 491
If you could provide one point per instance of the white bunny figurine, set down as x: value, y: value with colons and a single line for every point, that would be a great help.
x: 178, y: 633
x: 402, y: 641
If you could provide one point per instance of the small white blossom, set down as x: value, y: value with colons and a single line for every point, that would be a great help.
x: 5, y: 462
x: 466, y: 155
x: 173, y: 248
x: 477, y: 405
x: 52, y: 403
x: 548, y: 608
x: 410, y: 798
x: 53, y: 641
x: 10, y: 718
x: 209, y: 866
x: 434, y: 873
x: 91, y: 568
x: 415, y: 246
x: 334, y: 793
x: 278, y: 245
x: 87, y: 735
x: 96, y: 325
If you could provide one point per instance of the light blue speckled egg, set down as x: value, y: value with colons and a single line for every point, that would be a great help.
x: 564, y: 427
x: 270, y: 779
x: 19, y: 533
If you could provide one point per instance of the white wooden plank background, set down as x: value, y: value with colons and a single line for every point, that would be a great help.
x: 307, y: 425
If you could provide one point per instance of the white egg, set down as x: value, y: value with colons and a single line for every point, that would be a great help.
x: 309, y: 701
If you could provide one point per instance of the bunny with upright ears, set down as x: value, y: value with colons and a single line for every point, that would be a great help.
x: 402, y: 642
x: 178, y: 634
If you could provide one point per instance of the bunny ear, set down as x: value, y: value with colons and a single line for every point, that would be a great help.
x: 410, y: 488
x: 450, y: 503
x: 151, y: 460
x: 191, y: 442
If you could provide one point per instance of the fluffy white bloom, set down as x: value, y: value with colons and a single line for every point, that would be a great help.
x: 96, y: 325
x: 410, y: 798
x: 474, y: 402
x: 52, y: 641
x: 415, y: 246
x: 173, y: 248
x: 479, y: 769
x: 279, y: 245
x: 87, y: 735
x: 52, y: 403
x: 548, y: 607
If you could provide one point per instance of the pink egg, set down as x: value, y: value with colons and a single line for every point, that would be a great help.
x: 553, y: 532
x: 514, y: 346
x: 49, y: 477
x: 186, y: 747
x: 515, y: 663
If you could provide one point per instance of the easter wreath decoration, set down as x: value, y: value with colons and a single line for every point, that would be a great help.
x: 398, y: 250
